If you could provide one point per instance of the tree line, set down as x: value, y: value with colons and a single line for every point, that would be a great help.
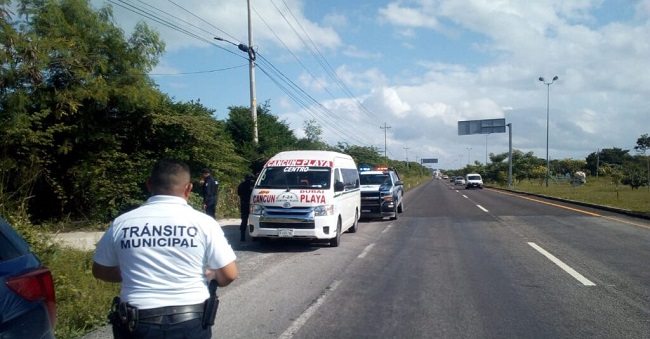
x: 618, y: 164
x: 82, y: 123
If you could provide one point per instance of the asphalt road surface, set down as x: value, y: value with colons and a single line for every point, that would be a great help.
x: 456, y: 264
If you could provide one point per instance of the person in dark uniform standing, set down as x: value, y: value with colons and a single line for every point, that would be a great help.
x: 244, y: 190
x: 210, y: 192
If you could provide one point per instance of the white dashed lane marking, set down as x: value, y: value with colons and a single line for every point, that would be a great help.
x: 562, y: 265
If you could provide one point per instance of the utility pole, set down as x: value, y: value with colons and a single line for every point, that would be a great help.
x: 407, y: 157
x: 251, y: 68
x: 385, y: 128
x: 597, y: 161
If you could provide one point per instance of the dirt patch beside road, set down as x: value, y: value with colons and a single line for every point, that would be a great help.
x: 86, y: 241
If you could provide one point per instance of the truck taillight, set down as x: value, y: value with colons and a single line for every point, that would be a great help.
x: 36, y: 285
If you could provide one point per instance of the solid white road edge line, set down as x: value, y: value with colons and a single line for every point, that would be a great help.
x: 302, y: 319
x: 562, y: 265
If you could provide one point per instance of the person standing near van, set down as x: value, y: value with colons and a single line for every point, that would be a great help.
x: 210, y: 192
x: 244, y: 190
x: 164, y: 253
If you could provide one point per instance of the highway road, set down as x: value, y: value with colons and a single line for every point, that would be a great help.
x: 456, y: 264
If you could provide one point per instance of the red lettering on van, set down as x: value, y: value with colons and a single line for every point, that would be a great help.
x: 263, y: 198
x: 312, y: 198
x: 300, y: 162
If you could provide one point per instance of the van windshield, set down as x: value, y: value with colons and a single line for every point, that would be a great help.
x: 287, y: 177
x: 473, y: 177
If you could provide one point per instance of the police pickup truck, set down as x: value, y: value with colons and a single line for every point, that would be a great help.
x: 382, y: 193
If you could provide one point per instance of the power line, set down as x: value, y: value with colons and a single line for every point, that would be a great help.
x: 199, y: 72
x: 385, y: 128
x: 275, y: 75
x: 321, y: 59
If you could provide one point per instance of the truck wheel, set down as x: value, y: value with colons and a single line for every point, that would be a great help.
x: 336, y: 241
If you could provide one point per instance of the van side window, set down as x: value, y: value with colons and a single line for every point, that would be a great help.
x: 350, y: 178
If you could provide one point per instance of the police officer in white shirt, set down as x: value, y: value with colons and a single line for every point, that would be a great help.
x: 165, y: 253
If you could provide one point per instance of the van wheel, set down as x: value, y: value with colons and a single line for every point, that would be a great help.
x: 355, y: 224
x: 336, y: 241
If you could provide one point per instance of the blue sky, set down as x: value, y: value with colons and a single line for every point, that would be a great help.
x: 419, y: 67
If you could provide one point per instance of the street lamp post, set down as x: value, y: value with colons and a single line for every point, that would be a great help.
x: 548, y: 98
x: 469, y: 149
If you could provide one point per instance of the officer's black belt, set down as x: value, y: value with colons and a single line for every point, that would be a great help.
x: 176, y: 314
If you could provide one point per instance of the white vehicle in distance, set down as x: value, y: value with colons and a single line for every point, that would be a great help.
x: 459, y: 181
x: 473, y: 180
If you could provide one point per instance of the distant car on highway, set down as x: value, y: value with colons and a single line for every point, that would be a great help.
x: 459, y: 181
x: 28, y: 306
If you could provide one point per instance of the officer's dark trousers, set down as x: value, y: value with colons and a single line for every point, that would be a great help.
x: 244, y: 221
x: 211, y: 210
x: 190, y: 329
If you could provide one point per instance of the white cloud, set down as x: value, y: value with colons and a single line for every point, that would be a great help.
x: 503, y: 47
x: 312, y: 84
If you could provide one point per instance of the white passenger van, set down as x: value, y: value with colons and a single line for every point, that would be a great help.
x: 306, y: 195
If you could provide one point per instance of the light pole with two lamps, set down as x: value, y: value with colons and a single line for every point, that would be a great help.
x: 548, y: 96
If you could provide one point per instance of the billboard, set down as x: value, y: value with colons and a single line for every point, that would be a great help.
x: 486, y: 126
x: 429, y: 161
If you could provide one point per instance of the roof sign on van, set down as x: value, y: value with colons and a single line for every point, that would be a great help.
x: 299, y: 162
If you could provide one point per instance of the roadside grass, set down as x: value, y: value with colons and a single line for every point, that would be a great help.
x: 83, y: 302
x: 598, y: 191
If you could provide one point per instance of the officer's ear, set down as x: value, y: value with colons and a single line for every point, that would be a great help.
x: 149, y: 185
x: 187, y: 190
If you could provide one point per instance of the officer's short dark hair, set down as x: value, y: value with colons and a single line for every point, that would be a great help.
x: 167, y: 172
x: 205, y: 170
